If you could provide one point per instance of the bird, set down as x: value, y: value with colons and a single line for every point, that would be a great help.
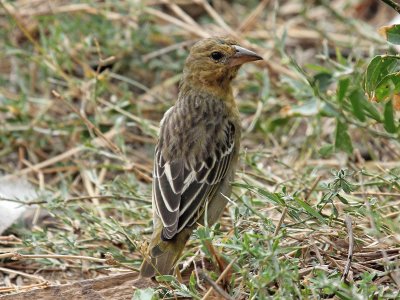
x: 197, y: 151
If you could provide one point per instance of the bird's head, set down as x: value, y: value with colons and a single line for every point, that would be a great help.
x: 214, y: 62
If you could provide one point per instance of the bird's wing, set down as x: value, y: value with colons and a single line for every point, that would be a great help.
x: 180, y: 189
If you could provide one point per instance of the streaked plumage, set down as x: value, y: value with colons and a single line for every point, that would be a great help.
x: 197, y: 151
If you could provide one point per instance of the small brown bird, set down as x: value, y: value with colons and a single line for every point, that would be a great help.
x: 197, y: 151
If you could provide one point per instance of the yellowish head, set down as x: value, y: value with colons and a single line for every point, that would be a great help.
x: 215, y: 61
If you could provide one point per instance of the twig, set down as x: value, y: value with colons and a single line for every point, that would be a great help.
x: 109, y: 260
x: 349, y: 227
x: 18, y: 256
x: 24, y: 287
x: 227, y: 269
x: 391, y: 215
x: 392, y: 4
x: 214, y: 253
x: 251, y: 18
x: 72, y: 8
x: 317, y: 252
x: 305, y: 271
x: 217, y: 18
x: 383, y: 259
x: 10, y: 239
x: 188, y: 27
x: 180, y: 12
x: 278, y: 226
x: 89, y: 124
x: 377, y: 252
x: 376, y: 194
x: 133, y: 83
x: 63, y: 156
x: 101, y: 197
x: 215, y: 286
x: 37, y: 278
x: 127, y: 114
x: 90, y: 190
x: 314, y: 185
x: 165, y: 50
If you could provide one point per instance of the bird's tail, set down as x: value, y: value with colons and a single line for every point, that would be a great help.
x: 163, y: 255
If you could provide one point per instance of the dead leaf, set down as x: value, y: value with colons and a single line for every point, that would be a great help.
x: 396, y: 102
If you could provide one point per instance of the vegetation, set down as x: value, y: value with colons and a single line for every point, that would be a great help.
x: 315, y: 208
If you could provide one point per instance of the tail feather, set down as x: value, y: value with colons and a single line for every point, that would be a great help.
x: 163, y: 255
x: 161, y: 265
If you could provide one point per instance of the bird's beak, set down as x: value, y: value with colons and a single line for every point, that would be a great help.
x: 242, y: 56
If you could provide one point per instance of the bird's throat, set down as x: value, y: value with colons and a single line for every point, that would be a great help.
x: 190, y: 89
x: 217, y: 87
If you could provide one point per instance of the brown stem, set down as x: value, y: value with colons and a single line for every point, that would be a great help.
x: 393, y: 5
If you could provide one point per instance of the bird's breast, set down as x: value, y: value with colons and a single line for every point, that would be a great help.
x: 195, y: 126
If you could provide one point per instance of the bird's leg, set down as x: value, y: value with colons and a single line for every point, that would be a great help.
x: 178, y: 274
x: 220, y: 260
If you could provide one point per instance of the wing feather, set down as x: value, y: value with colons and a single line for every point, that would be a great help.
x: 180, y: 190
x: 173, y: 171
x: 191, y: 194
x: 195, y: 207
x: 166, y: 191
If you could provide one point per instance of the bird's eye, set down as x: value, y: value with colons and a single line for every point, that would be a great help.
x: 216, y: 55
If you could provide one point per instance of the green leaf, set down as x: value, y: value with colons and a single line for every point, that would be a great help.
x: 327, y: 110
x: 271, y: 196
x: 357, y: 99
x: 342, y: 140
x: 192, y: 282
x: 309, y: 108
x: 274, y: 124
x: 389, y: 122
x: 323, y: 80
x: 326, y: 150
x: 391, y: 33
x: 144, y: 294
x: 371, y: 111
x: 342, y: 89
x: 341, y: 60
x: 166, y: 278
x: 379, y: 67
x: 274, y: 198
x: 342, y: 199
x: 310, y: 210
x: 388, y: 86
x: 346, y: 186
